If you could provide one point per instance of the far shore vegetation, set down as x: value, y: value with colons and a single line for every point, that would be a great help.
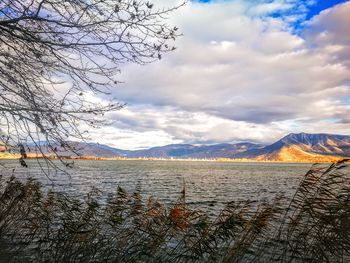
x: 318, y: 159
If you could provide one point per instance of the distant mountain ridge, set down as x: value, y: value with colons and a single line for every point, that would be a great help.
x: 192, y: 151
x: 291, y: 148
x: 80, y: 149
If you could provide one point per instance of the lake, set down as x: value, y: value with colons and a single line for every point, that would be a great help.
x: 208, y: 184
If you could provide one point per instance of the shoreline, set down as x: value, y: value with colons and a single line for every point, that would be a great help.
x: 331, y: 159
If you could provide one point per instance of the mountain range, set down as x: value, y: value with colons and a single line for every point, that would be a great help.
x: 300, y: 147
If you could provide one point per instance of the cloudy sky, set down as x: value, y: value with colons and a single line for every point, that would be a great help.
x: 243, y: 71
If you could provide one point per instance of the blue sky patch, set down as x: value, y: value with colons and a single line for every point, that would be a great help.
x: 304, y: 10
x: 313, y: 9
x: 322, y: 5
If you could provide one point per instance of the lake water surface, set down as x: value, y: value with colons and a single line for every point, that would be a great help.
x: 208, y: 184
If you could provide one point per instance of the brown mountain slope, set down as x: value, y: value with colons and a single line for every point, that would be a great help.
x: 296, y: 154
x: 304, y: 147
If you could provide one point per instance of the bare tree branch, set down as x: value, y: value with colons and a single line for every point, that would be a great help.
x: 54, y: 53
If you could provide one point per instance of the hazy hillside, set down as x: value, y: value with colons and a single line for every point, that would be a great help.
x: 192, y: 151
x: 168, y: 151
x: 100, y: 150
x: 82, y: 149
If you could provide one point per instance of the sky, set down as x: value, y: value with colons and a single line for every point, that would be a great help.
x: 243, y: 71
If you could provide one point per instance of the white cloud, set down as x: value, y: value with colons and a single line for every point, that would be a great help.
x: 130, y: 139
x: 239, y: 74
x: 330, y: 33
x: 154, y: 126
x: 331, y: 26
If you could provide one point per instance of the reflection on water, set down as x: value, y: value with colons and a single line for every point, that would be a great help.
x: 208, y: 184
